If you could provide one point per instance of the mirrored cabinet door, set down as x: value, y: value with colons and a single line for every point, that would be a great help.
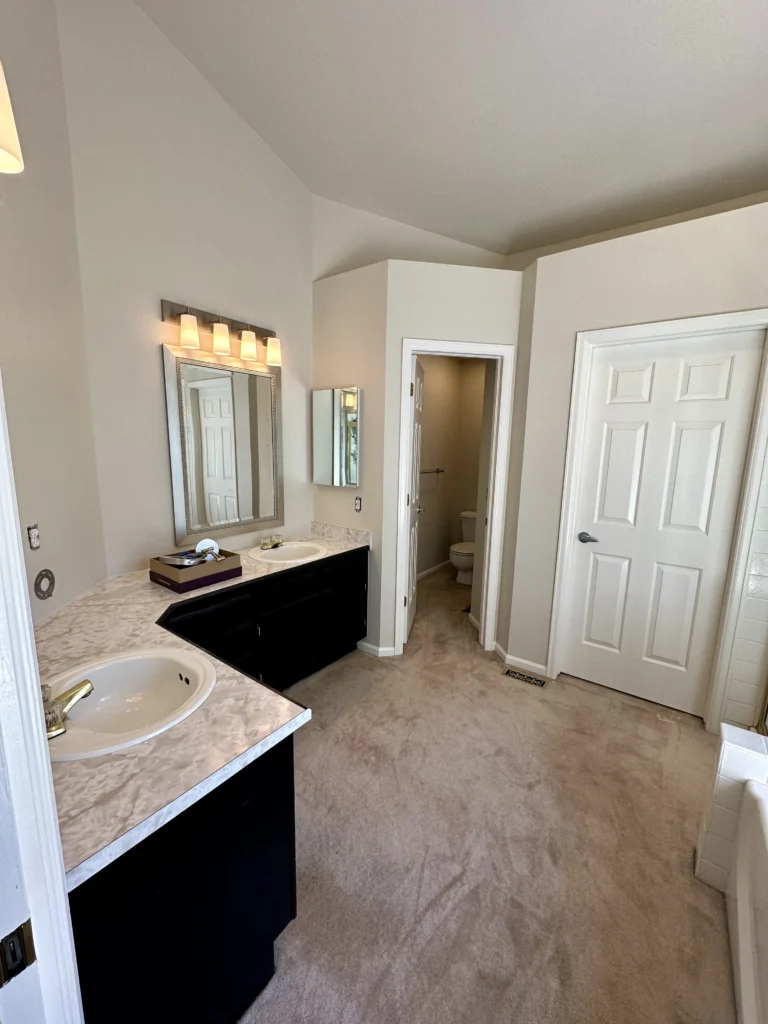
x: 336, y: 417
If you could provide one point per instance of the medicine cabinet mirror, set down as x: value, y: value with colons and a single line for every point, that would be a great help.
x: 336, y: 437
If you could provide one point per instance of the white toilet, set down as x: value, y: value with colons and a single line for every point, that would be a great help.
x: 463, y: 554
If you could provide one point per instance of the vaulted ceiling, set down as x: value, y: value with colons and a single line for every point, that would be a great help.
x: 505, y: 123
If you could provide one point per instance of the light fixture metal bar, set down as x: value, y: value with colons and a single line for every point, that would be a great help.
x: 171, y: 312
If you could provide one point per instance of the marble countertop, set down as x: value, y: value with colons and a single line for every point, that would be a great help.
x: 108, y: 804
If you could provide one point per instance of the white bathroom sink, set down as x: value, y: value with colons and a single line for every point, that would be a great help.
x: 290, y: 553
x: 135, y: 696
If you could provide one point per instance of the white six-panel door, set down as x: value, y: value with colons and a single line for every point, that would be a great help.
x: 665, y: 441
x: 217, y: 427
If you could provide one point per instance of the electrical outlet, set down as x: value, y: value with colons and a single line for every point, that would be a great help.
x: 33, y: 535
x: 358, y: 504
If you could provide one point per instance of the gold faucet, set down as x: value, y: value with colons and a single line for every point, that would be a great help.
x: 57, y: 709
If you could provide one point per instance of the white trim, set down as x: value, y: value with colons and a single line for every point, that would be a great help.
x: 497, y: 475
x: 521, y: 663
x: 586, y: 343
x: 473, y: 622
x: 435, y: 568
x: 28, y: 766
x: 377, y: 652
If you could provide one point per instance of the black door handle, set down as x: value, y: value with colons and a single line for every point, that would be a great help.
x: 587, y: 538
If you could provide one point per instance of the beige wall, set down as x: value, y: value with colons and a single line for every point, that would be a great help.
x: 439, y: 449
x: 712, y: 265
x: 42, y: 352
x: 175, y: 197
x: 350, y: 322
x: 443, y: 303
x: 451, y: 427
x: 344, y: 238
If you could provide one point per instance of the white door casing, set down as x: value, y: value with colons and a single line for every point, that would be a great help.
x: 504, y: 355
x: 217, y: 435
x: 414, y: 508
x: 664, y: 434
x: 32, y: 882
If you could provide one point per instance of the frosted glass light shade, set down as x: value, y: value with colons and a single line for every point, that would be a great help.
x: 189, y: 336
x: 11, y: 160
x: 273, y: 352
x: 221, y: 339
x: 248, y: 347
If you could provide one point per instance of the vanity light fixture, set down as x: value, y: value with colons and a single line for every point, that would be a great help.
x: 273, y: 352
x: 11, y: 160
x: 248, y: 347
x: 189, y: 334
x: 221, y: 339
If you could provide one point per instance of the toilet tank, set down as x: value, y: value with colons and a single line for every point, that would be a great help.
x: 468, y: 525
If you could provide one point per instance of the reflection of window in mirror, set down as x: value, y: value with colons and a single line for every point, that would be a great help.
x: 349, y: 438
x: 336, y: 437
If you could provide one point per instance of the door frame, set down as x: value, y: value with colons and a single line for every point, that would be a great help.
x: 28, y: 766
x: 586, y: 344
x: 497, y: 474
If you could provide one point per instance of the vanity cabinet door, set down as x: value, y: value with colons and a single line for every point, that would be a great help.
x: 221, y: 623
x: 180, y: 929
x: 287, y: 640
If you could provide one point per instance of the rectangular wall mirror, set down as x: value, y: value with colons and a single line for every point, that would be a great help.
x: 224, y: 438
x: 336, y: 437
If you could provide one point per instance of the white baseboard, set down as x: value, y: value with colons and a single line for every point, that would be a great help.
x: 521, y: 663
x: 435, y: 568
x: 377, y: 652
x: 473, y: 621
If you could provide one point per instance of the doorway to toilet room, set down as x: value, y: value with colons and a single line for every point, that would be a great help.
x: 455, y: 422
x: 453, y: 459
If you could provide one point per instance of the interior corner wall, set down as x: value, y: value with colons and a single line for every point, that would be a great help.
x: 435, y: 302
x: 350, y: 324
x: 42, y: 351
x: 712, y: 265
x: 517, y: 438
x: 344, y: 238
x: 175, y: 197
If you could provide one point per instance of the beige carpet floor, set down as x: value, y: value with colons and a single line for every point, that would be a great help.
x: 471, y: 848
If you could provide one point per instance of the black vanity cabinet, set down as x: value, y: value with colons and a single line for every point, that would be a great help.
x: 181, y: 927
x: 282, y: 627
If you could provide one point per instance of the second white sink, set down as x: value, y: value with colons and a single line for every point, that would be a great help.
x: 292, y: 552
x: 135, y: 696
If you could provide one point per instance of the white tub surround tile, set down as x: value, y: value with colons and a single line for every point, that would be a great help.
x: 108, y: 804
x: 743, y: 758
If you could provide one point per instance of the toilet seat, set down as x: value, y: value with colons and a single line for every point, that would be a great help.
x: 463, y: 547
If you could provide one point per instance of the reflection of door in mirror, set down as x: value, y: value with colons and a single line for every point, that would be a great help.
x: 211, y: 455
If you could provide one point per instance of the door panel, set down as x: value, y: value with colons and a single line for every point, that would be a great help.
x: 666, y: 434
x: 607, y: 600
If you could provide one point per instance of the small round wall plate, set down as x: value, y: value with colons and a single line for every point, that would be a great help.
x: 45, y: 584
